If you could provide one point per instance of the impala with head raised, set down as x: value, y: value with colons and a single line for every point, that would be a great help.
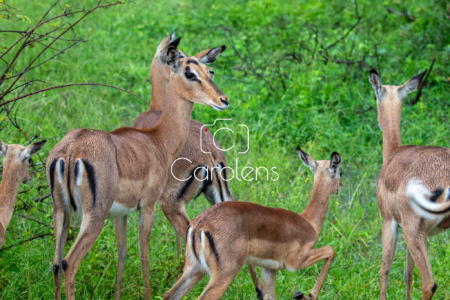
x: 207, y: 172
x: 103, y: 175
x: 230, y: 234
x: 16, y: 163
x: 426, y: 164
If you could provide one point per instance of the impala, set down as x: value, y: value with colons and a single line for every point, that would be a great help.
x: 16, y: 163
x: 103, y: 175
x: 401, y: 164
x: 207, y: 172
x: 230, y: 234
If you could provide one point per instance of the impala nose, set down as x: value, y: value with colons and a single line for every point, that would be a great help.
x: 225, y: 101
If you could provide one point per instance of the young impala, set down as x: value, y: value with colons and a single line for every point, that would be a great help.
x: 425, y: 164
x: 201, y: 168
x: 16, y: 163
x: 103, y: 175
x: 230, y: 234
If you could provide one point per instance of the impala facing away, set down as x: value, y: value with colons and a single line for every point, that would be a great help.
x: 16, y: 163
x: 103, y: 175
x: 401, y: 164
x: 230, y: 234
x: 208, y: 168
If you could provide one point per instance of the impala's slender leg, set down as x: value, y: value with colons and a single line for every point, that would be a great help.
x: 219, y: 283
x: 91, y: 227
x: 61, y: 224
x: 389, y: 237
x: 303, y: 260
x: 256, y: 283
x: 269, y: 281
x: 145, y: 230
x: 416, y: 240
x: 409, y: 273
x: 191, y: 276
x: 175, y: 212
x: 120, y: 225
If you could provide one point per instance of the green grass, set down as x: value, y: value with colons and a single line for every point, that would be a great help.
x: 286, y: 88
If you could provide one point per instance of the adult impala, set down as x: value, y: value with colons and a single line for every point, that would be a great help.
x: 109, y: 175
x: 206, y: 172
x: 230, y: 234
x: 16, y: 163
x: 401, y: 164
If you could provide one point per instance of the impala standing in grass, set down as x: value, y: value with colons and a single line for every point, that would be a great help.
x: 103, y: 175
x: 230, y: 234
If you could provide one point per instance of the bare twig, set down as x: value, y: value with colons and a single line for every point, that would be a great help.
x: 26, y: 241
x: 67, y: 85
x: 34, y: 220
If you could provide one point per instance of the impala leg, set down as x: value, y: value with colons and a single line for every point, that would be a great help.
x: 408, y: 275
x: 389, y: 237
x: 304, y: 260
x: 145, y: 229
x: 417, y: 246
x: 175, y: 212
x: 219, y: 283
x: 61, y: 224
x: 90, y: 230
x: 120, y: 225
x: 256, y: 282
x: 269, y: 281
x: 191, y: 275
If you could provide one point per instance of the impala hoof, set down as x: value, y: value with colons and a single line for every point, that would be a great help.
x: 298, y: 295
x: 259, y: 294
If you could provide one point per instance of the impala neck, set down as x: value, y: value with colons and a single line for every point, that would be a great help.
x: 391, y: 139
x: 317, y: 207
x: 160, y: 77
x: 173, y: 127
x: 389, y: 117
x: 8, y: 193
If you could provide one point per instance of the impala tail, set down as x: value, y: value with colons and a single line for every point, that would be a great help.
x: 424, y: 202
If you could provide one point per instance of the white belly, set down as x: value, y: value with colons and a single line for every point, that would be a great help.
x: 265, y: 263
x: 117, y: 210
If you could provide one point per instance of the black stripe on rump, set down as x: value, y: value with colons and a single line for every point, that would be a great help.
x: 212, y: 244
x: 91, y: 177
x: 188, y: 184
x: 52, y: 175
x: 193, y: 243
x: 225, y: 183
x: 436, y: 194
x: 68, y: 184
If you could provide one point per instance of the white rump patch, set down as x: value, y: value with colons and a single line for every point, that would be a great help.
x: 201, y: 256
x: 60, y: 172
x: 79, y: 171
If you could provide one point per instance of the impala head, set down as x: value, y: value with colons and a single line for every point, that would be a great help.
x: 192, y: 79
x: 17, y: 159
x: 327, y: 173
x: 389, y: 98
x: 160, y: 71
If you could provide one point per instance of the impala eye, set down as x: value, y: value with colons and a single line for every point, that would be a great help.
x: 189, y: 75
x: 211, y: 72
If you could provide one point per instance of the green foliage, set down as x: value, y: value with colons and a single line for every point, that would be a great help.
x: 296, y: 74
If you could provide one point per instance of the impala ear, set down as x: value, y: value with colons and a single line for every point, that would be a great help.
x: 307, y: 160
x: 3, y: 148
x: 335, y: 162
x: 210, y: 55
x: 375, y: 81
x: 163, y: 53
x: 411, y: 85
x: 33, y: 149
x: 172, y: 55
